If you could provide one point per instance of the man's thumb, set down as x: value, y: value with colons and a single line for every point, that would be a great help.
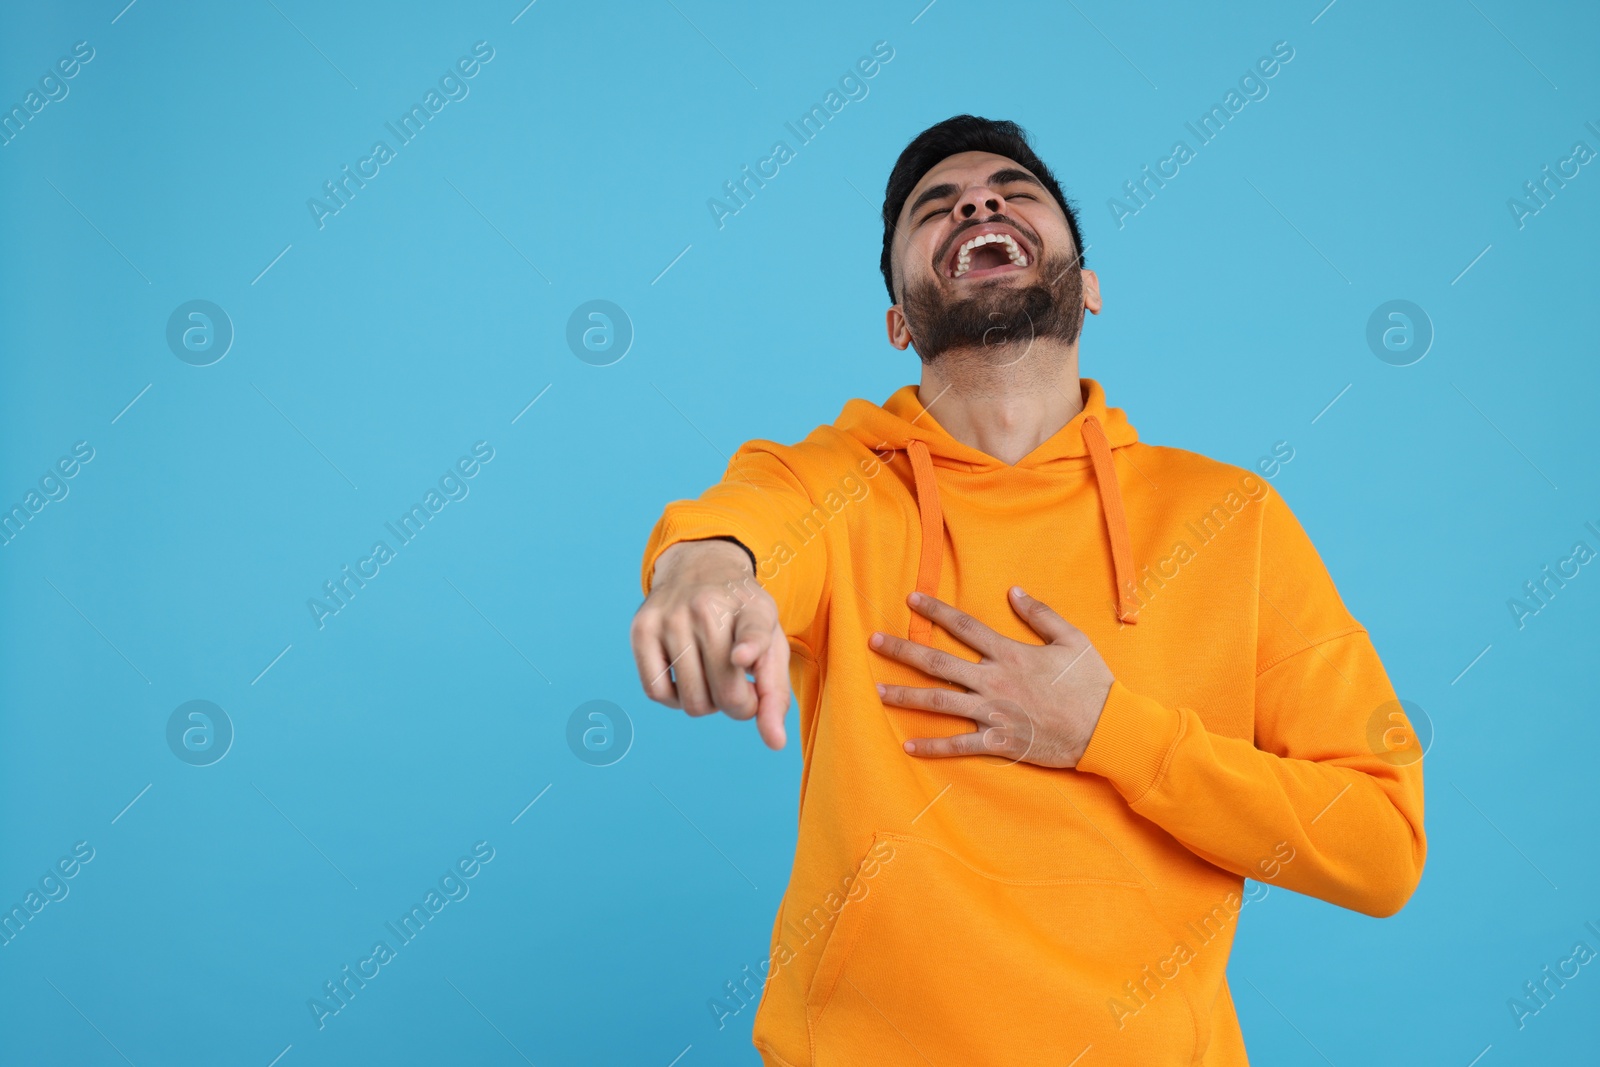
x: 1041, y: 617
x: 752, y: 634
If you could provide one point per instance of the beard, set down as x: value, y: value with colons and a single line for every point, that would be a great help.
x: 997, y: 316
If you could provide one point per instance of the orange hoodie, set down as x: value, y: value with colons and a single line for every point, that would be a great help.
x: 969, y: 911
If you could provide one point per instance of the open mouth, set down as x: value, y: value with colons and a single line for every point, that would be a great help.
x: 992, y: 250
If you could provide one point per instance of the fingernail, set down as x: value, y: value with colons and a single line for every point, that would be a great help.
x: 916, y: 598
x: 911, y: 746
x: 881, y: 689
x: 875, y: 640
x: 1016, y: 591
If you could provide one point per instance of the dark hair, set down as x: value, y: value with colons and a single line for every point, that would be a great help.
x: 962, y: 133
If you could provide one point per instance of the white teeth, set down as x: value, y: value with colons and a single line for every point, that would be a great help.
x: 964, y: 256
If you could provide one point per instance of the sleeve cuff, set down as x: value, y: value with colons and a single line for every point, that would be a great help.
x: 1132, y: 742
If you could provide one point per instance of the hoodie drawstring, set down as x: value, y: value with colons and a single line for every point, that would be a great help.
x: 1105, y: 476
x: 932, y: 517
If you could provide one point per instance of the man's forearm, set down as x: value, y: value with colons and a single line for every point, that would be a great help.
x: 1355, y: 822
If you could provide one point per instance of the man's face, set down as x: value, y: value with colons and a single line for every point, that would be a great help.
x: 982, y: 257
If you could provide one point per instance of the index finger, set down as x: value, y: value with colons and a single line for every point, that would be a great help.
x: 969, y: 630
x: 772, y: 690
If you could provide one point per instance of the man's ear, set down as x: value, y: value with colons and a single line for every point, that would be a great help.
x: 1091, y: 292
x: 899, y: 329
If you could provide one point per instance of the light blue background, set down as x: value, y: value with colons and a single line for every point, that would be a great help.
x: 428, y: 713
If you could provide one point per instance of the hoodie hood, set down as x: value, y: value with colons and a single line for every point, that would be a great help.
x: 902, y: 419
x: 902, y: 424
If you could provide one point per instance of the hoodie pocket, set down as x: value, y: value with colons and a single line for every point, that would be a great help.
x: 946, y: 964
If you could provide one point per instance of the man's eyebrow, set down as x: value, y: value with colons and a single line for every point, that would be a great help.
x: 1007, y: 175
x: 1004, y: 176
x: 934, y: 192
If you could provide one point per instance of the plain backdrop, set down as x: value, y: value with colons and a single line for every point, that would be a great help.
x: 373, y: 348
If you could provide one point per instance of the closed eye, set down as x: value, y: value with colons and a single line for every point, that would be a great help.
x: 936, y: 212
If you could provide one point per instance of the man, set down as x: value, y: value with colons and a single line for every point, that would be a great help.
x: 1060, y: 691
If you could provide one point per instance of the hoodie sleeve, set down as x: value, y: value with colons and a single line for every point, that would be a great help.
x: 1333, y: 779
x: 759, y: 502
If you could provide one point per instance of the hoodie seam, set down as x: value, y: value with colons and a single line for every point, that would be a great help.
x: 825, y: 595
x: 766, y: 1050
x: 1255, y: 583
x: 1166, y: 760
x: 1348, y: 631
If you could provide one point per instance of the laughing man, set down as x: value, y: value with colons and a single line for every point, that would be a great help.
x: 1061, y: 691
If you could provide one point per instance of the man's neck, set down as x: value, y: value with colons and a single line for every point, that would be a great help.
x: 999, y: 403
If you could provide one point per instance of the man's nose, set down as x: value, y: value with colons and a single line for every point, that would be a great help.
x: 979, y: 199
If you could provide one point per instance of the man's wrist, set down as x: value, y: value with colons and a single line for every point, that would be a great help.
x: 703, y: 558
x: 1088, y: 735
x: 741, y: 544
x: 1132, y: 742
